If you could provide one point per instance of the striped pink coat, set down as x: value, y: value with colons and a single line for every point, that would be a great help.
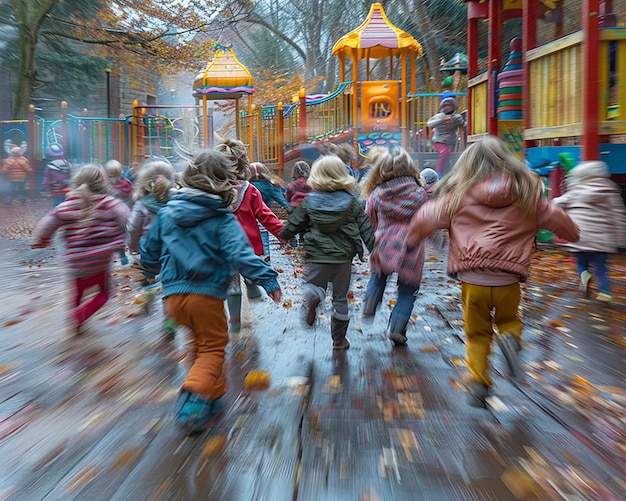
x: 91, y: 235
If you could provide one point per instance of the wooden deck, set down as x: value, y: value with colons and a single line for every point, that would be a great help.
x: 90, y: 417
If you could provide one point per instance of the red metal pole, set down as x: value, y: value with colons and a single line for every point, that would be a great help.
x: 529, y: 41
x: 472, y: 61
x: 590, y: 84
x: 494, y: 51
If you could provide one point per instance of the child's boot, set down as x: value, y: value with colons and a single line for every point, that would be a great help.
x: 313, y: 296
x: 477, y: 394
x: 234, y: 312
x: 193, y: 413
x: 338, y: 329
x: 510, y: 348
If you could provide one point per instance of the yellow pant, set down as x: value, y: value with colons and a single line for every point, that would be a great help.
x: 479, y: 302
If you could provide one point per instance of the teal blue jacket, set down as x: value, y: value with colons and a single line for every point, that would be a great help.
x: 195, y: 244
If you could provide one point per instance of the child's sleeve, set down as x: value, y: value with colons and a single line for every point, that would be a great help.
x: 151, y: 246
x: 552, y: 218
x: 297, y: 223
x: 425, y: 221
x: 134, y: 227
x: 365, y: 227
x: 265, y: 215
x: 45, y: 229
x: 243, y: 258
x: 280, y: 198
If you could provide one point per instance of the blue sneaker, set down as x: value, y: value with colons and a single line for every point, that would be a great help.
x: 193, y: 413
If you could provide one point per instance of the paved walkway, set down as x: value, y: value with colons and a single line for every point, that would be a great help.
x: 89, y: 417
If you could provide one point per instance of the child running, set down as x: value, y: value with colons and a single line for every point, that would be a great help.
x: 492, y: 205
x: 250, y: 210
x: 298, y: 188
x: 121, y: 187
x: 394, y: 193
x: 595, y: 204
x: 93, y: 229
x: 155, y: 184
x: 335, y: 227
x: 197, y: 246
x: 261, y: 178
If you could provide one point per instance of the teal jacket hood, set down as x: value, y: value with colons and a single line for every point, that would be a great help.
x: 188, y: 207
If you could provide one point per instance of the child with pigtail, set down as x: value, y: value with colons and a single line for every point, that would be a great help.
x: 155, y: 184
x: 250, y: 211
x: 93, y: 225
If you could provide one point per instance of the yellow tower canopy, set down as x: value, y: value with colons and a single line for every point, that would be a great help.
x: 377, y: 38
x: 224, y: 75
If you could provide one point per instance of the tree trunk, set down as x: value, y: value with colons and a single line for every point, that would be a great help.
x: 29, y: 15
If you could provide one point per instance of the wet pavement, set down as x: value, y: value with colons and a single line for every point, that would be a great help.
x: 90, y: 417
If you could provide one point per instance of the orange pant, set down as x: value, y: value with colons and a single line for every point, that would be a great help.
x: 478, y: 303
x: 205, y: 317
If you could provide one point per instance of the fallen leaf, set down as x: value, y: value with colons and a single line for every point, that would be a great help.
x: 9, y: 323
x: 428, y: 349
x: 214, y: 445
x: 257, y: 380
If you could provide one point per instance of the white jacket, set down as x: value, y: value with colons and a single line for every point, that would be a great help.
x: 595, y: 204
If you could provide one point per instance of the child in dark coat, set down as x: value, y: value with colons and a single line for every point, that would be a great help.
x: 197, y: 245
x: 335, y: 227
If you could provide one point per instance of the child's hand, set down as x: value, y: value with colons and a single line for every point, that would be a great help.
x: 275, y: 295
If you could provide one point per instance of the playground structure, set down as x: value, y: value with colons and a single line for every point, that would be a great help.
x: 568, y: 82
x: 563, y: 95
x: 362, y: 111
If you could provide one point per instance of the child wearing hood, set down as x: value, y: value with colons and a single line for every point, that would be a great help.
x: 197, y: 245
x: 155, y: 184
x: 335, y: 228
x: 18, y: 168
x: 122, y: 188
x: 394, y: 193
x: 250, y: 211
x: 430, y: 178
x: 595, y: 204
x: 492, y: 206
x: 446, y: 124
x: 298, y: 188
x: 93, y: 225
x: 57, y: 175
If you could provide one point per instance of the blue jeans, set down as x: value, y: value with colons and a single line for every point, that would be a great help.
x: 599, y: 260
x: 405, y: 299
x: 17, y: 190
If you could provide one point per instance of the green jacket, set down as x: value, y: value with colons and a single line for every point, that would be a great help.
x: 334, y: 224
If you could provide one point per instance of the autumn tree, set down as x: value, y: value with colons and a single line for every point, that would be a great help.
x: 160, y: 34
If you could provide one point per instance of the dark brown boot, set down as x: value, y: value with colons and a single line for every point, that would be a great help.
x: 338, y: 329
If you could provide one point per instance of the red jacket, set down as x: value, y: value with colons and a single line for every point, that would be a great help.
x: 250, y: 210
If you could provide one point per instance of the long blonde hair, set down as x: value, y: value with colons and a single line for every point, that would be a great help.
x: 487, y: 159
x: 90, y: 180
x: 386, y: 164
x: 156, y: 177
x: 329, y: 173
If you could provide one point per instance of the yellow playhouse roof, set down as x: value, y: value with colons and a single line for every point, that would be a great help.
x: 224, y: 75
x: 377, y: 38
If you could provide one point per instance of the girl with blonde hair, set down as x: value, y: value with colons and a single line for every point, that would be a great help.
x: 196, y: 246
x: 250, y: 211
x: 93, y: 225
x: 335, y: 227
x: 492, y: 205
x: 394, y: 193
